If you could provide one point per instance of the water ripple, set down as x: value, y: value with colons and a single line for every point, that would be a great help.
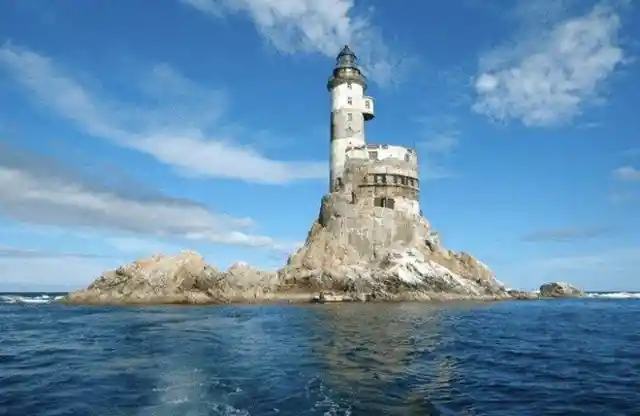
x: 520, y: 358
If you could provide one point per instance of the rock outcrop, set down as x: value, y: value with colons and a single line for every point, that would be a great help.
x: 352, y: 253
x: 560, y: 290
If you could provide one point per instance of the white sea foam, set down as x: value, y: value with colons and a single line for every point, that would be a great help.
x: 615, y: 295
x: 36, y: 298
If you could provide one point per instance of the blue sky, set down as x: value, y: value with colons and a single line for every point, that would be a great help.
x: 128, y: 128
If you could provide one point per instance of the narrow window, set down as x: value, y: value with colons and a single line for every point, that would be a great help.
x: 366, y: 104
x: 390, y: 203
x: 403, y: 180
x: 349, y: 101
x: 396, y: 179
x: 349, y: 117
x: 349, y: 85
x: 407, y: 157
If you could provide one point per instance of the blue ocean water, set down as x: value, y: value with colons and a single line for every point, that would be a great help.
x: 562, y: 357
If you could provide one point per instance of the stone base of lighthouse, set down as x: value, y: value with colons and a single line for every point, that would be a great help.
x: 354, y: 250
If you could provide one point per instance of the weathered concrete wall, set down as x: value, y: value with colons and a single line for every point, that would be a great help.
x: 382, y: 152
x: 369, y: 229
x: 390, y: 183
x: 347, y: 125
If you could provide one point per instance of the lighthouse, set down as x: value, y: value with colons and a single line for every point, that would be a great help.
x: 350, y: 109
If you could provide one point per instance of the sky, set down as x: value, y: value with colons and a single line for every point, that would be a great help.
x: 137, y: 127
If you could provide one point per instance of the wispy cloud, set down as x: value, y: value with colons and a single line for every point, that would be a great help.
x: 441, y: 138
x: 443, y: 143
x: 35, y: 189
x: 183, y: 131
x: 318, y: 27
x: 31, y: 253
x: 612, y: 259
x: 635, y: 152
x: 544, y: 79
x: 566, y: 234
x: 627, y: 173
x: 621, y: 197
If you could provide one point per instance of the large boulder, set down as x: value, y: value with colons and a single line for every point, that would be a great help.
x: 560, y: 290
x: 183, y: 278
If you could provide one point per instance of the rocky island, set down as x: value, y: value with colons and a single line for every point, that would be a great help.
x: 370, y: 241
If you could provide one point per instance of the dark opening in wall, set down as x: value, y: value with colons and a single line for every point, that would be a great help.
x: 390, y: 203
x: 383, y: 202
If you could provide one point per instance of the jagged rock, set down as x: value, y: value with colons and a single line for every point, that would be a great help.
x: 384, y: 254
x: 559, y: 290
x: 523, y: 295
x: 352, y: 253
x: 183, y: 278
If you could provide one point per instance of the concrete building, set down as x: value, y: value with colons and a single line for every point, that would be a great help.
x: 376, y: 175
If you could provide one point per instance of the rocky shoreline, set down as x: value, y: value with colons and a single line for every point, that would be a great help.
x: 353, y: 252
x: 186, y: 279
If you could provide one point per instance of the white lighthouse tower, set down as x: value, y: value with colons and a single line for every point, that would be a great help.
x: 350, y: 108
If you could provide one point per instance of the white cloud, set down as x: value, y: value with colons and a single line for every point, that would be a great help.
x: 51, y: 273
x: 609, y: 269
x: 627, y: 173
x: 176, y: 134
x: 44, y: 198
x: 621, y: 197
x: 141, y: 246
x: 613, y: 259
x: 442, y: 143
x: 549, y: 78
x: 566, y: 234
x: 321, y: 26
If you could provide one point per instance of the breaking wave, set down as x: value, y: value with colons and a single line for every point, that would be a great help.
x: 44, y: 298
x: 614, y: 295
x: 29, y: 298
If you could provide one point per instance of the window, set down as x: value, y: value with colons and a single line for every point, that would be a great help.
x: 349, y: 85
x: 349, y: 130
x: 383, y: 202
x: 407, y: 157
x: 403, y: 180
x: 396, y: 179
x: 379, y: 178
x: 367, y: 104
x: 373, y: 155
x: 349, y: 117
x: 389, y: 203
x: 350, y: 101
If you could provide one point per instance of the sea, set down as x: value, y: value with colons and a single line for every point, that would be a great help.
x: 516, y: 358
